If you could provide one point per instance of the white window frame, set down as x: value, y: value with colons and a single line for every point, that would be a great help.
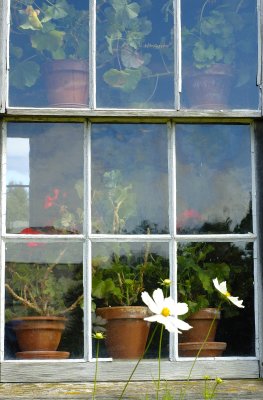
x: 83, y: 370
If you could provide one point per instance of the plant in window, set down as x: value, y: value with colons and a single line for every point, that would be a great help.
x: 45, y: 284
x: 63, y: 217
x: 43, y: 293
x: 118, y: 276
x: 123, y: 50
x: 53, y: 35
x: 197, y: 267
x: 215, y: 50
x: 117, y: 199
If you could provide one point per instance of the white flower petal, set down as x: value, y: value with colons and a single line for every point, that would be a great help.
x: 168, y: 302
x: 158, y: 297
x: 221, y: 287
x: 236, y: 301
x: 183, y: 326
x: 182, y: 308
x: 170, y: 324
x: 146, y: 298
x: 152, y: 318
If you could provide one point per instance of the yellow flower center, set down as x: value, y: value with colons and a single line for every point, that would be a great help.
x: 228, y: 294
x: 165, y: 312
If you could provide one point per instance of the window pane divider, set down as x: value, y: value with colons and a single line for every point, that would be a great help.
x: 92, y: 55
x: 177, y: 53
x: 162, y: 114
x: 198, y: 238
x: 2, y: 247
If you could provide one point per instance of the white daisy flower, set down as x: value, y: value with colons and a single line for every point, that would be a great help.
x: 221, y: 287
x: 166, y: 311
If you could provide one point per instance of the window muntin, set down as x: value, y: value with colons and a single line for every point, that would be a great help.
x: 219, y: 59
x: 49, y: 277
x: 214, y: 182
x: 41, y: 192
x: 127, y: 159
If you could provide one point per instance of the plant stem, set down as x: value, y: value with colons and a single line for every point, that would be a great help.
x: 96, y: 370
x: 159, y: 362
x: 138, y: 362
x: 182, y: 394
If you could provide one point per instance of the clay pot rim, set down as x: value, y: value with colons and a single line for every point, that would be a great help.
x: 66, y: 64
x: 41, y: 318
x: 118, y: 312
x: 206, y: 346
x: 206, y: 313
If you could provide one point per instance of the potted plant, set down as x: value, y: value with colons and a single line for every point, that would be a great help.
x: 213, y: 46
x: 129, y: 60
x: 116, y: 285
x: 44, y: 281
x: 42, y: 296
x: 120, y: 274
x: 119, y: 271
x: 51, y: 40
x: 196, y: 270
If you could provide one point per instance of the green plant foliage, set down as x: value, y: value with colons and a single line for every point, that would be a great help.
x: 42, y: 288
x: 120, y: 279
x: 221, y: 34
x: 196, y: 270
x: 39, y: 33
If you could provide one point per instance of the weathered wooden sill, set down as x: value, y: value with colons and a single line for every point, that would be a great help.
x: 229, y: 389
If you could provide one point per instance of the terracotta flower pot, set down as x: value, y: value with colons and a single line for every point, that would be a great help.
x: 201, y: 322
x: 192, y: 340
x: 209, y: 88
x: 210, y: 349
x: 39, y: 336
x: 126, y: 330
x: 67, y: 83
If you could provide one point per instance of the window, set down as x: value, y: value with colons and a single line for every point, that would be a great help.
x: 116, y: 175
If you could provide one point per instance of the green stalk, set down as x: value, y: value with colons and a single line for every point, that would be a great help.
x: 182, y: 394
x: 159, y: 362
x: 96, y: 370
x: 138, y: 362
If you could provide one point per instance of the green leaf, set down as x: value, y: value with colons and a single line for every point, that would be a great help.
x: 51, y: 41
x: 133, y: 10
x: 25, y: 74
x: 126, y: 80
x: 56, y: 11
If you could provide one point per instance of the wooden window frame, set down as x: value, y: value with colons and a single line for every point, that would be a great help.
x: 83, y: 370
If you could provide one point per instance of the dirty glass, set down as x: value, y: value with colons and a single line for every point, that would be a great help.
x: 120, y: 272
x: 213, y: 170
x: 219, y: 51
x: 43, y: 285
x: 44, y: 184
x: 135, y: 54
x: 234, y: 327
x: 129, y: 178
x: 49, y: 53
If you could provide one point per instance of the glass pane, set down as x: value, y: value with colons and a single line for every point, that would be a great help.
x: 198, y: 265
x: 49, y: 53
x: 135, y: 66
x: 44, y: 178
x: 121, y: 271
x: 127, y: 159
x: 43, y: 281
x: 213, y: 179
x: 219, y: 54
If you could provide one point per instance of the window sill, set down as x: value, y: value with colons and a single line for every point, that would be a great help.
x: 229, y: 389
